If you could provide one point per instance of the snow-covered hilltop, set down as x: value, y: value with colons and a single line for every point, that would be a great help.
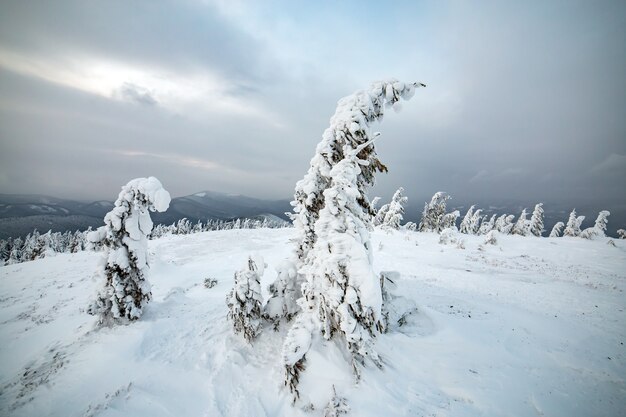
x: 529, y: 326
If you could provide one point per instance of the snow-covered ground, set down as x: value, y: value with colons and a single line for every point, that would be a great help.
x: 528, y: 327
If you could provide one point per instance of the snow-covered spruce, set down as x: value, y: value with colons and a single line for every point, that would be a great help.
x: 394, y: 214
x: 487, y: 226
x: 572, y: 228
x: 556, y: 229
x: 475, y: 222
x: 491, y: 238
x: 124, y: 236
x: 599, y: 228
x: 521, y: 226
x: 466, y: 224
x: 341, y: 295
x: 244, y: 299
x: 433, y: 213
x: 449, y: 220
x: 340, y: 280
x: 536, y: 220
x: 621, y: 233
x: 379, y: 215
x: 349, y: 126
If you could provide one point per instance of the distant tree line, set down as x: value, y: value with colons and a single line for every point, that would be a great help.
x: 37, y: 245
x: 435, y: 218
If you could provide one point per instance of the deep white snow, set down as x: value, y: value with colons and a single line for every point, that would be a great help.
x: 526, y: 327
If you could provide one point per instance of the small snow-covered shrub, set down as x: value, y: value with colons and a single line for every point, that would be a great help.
x: 410, y: 226
x: 125, y: 238
x: 491, y: 238
x: 285, y: 292
x: 447, y: 236
x: 296, y: 345
x: 210, y: 282
x: 621, y: 233
x: 244, y: 300
x: 337, y: 406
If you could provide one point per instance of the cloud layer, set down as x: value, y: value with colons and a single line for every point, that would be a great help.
x: 525, y: 100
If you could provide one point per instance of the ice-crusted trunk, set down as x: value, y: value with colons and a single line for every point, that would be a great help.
x: 333, y: 217
x: 125, y: 238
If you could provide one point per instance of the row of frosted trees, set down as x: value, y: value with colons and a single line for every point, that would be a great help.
x: 37, y: 246
x: 435, y: 218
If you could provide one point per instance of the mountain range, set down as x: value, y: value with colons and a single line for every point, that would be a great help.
x: 21, y: 214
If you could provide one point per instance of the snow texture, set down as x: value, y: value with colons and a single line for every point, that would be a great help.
x: 525, y: 327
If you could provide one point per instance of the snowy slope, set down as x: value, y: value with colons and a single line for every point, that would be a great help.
x: 529, y: 327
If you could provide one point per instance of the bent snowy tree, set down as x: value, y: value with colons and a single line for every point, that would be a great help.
x: 333, y: 216
x: 349, y: 126
x: 125, y: 238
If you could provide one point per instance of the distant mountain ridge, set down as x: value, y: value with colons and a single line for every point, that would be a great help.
x: 20, y: 214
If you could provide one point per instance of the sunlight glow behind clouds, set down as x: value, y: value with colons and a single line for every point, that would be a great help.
x: 189, y: 93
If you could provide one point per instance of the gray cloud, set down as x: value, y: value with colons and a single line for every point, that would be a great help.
x: 524, y: 100
x: 136, y: 94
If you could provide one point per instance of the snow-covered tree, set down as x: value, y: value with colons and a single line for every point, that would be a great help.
x: 448, y: 221
x: 15, y: 256
x: 374, y: 204
x: 349, y: 126
x: 125, y: 235
x: 337, y: 406
x: 621, y: 233
x: 433, y: 213
x: 599, y: 228
x: 394, y: 214
x: 475, y: 221
x: 521, y: 226
x: 339, y: 274
x: 536, y: 220
x: 491, y: 238
x: 466, y: 224
x: 572, y: 228
x: 556, y: 229
x: 487, y: 226
x: 332, y: 217
x: 245, y: 301
x: 379, y: 216
x: 284, y: 294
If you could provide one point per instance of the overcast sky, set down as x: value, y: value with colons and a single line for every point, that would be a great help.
x: 525, y: 99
